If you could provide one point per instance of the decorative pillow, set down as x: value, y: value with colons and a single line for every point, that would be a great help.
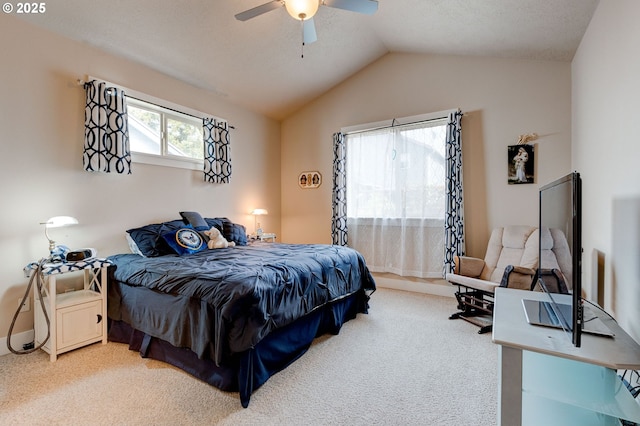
x: 195, y: 219
x: 214, y: 223
x: 133, y: 246
x: 233, y: 231
x: 238, y: 234
x: 185, y: 241
x: 149, y: 239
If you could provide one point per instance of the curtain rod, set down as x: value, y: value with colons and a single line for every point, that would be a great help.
x: 394, y: 123
x: 81, y: 82
x: 171, y: 109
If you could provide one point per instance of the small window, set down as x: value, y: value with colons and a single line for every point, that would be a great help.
x: 163, y: 132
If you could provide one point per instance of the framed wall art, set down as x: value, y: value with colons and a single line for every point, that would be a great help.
x: 310, y: 180
x: 521, y: 161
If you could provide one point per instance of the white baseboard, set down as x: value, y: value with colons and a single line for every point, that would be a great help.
x: 17, y: 340
x: 438, y: 287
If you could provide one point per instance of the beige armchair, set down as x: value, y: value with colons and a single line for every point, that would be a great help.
x: 557, y: 261
x: 510, y: 261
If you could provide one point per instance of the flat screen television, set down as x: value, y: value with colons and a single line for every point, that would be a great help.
x: 561, y: 217
x: 560, y: 263
x: 560, y: 221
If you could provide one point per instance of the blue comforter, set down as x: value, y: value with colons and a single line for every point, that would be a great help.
x: 224, y: 301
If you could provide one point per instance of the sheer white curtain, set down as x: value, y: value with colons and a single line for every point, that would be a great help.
x: 396, y: 197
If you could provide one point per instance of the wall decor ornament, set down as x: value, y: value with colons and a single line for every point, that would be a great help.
x: 521, y: 164
x: 309, y: 180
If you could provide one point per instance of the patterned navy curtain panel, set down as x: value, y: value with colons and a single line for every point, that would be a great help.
x: 106, y: 130
x: 454, y: 213
x: 339, y: 194
x: 217, y: 151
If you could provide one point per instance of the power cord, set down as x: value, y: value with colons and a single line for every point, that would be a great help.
x: 37, y: 275
x: 598, y: 307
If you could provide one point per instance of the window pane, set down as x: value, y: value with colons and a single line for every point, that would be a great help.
x: 144, y: 130
x: 184, y: 139
x: 397, y: 172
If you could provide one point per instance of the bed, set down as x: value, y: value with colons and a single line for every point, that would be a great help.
x: 235, y: 316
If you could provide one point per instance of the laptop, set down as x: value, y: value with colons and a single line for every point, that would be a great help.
x: 543, y: 314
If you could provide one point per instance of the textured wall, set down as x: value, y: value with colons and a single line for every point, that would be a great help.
x: 606, y: 101
x: 500, y: 98
x: 41, y: 131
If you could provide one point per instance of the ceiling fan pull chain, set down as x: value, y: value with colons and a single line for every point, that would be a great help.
x: 302, y: 28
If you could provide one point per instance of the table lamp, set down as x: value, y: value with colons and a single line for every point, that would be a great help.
x: 256, y: 225
x: 57, y: 222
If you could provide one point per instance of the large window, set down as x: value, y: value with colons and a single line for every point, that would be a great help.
x: 396, y: 197
x: 397, y: 172
x: 163, y: 132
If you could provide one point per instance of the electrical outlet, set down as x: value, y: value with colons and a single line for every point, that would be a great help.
x: 26, y: 306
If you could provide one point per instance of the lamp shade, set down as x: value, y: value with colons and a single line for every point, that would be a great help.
x: 302, y: 9
x: 59, y: 221
x: 259, y: 212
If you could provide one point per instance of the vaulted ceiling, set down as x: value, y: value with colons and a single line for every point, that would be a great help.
x: 258, y: 63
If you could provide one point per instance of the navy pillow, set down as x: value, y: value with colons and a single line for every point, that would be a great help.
x: 238, y: 234
x: 185, y: 241
x: 211, y: 223
x: 233, y: 231
x: 195, y: 219
x: 149, y: 239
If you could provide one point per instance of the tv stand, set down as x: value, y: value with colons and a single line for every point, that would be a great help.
x: 544, y: 379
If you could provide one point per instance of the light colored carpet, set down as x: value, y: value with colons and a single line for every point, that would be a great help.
x: 404, y: 363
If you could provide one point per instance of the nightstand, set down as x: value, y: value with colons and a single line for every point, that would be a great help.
x: 76, y: 318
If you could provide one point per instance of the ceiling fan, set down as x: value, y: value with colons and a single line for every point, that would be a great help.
x: 303, y: 10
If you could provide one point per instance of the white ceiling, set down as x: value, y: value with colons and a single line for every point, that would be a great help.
x: 258, y: 64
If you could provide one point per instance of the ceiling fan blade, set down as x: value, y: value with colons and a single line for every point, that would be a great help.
x: 309, y: 31
x: 368, y: 7
x: 259, y: 10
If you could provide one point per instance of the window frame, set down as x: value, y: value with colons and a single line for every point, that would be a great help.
x: 160, y: 160
x: 381, y: 240
x: 164, y: 158
x: 440, y: 116
x: 397, y: 121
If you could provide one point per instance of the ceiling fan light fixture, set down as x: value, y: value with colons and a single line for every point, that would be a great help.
x: 302, y: 9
